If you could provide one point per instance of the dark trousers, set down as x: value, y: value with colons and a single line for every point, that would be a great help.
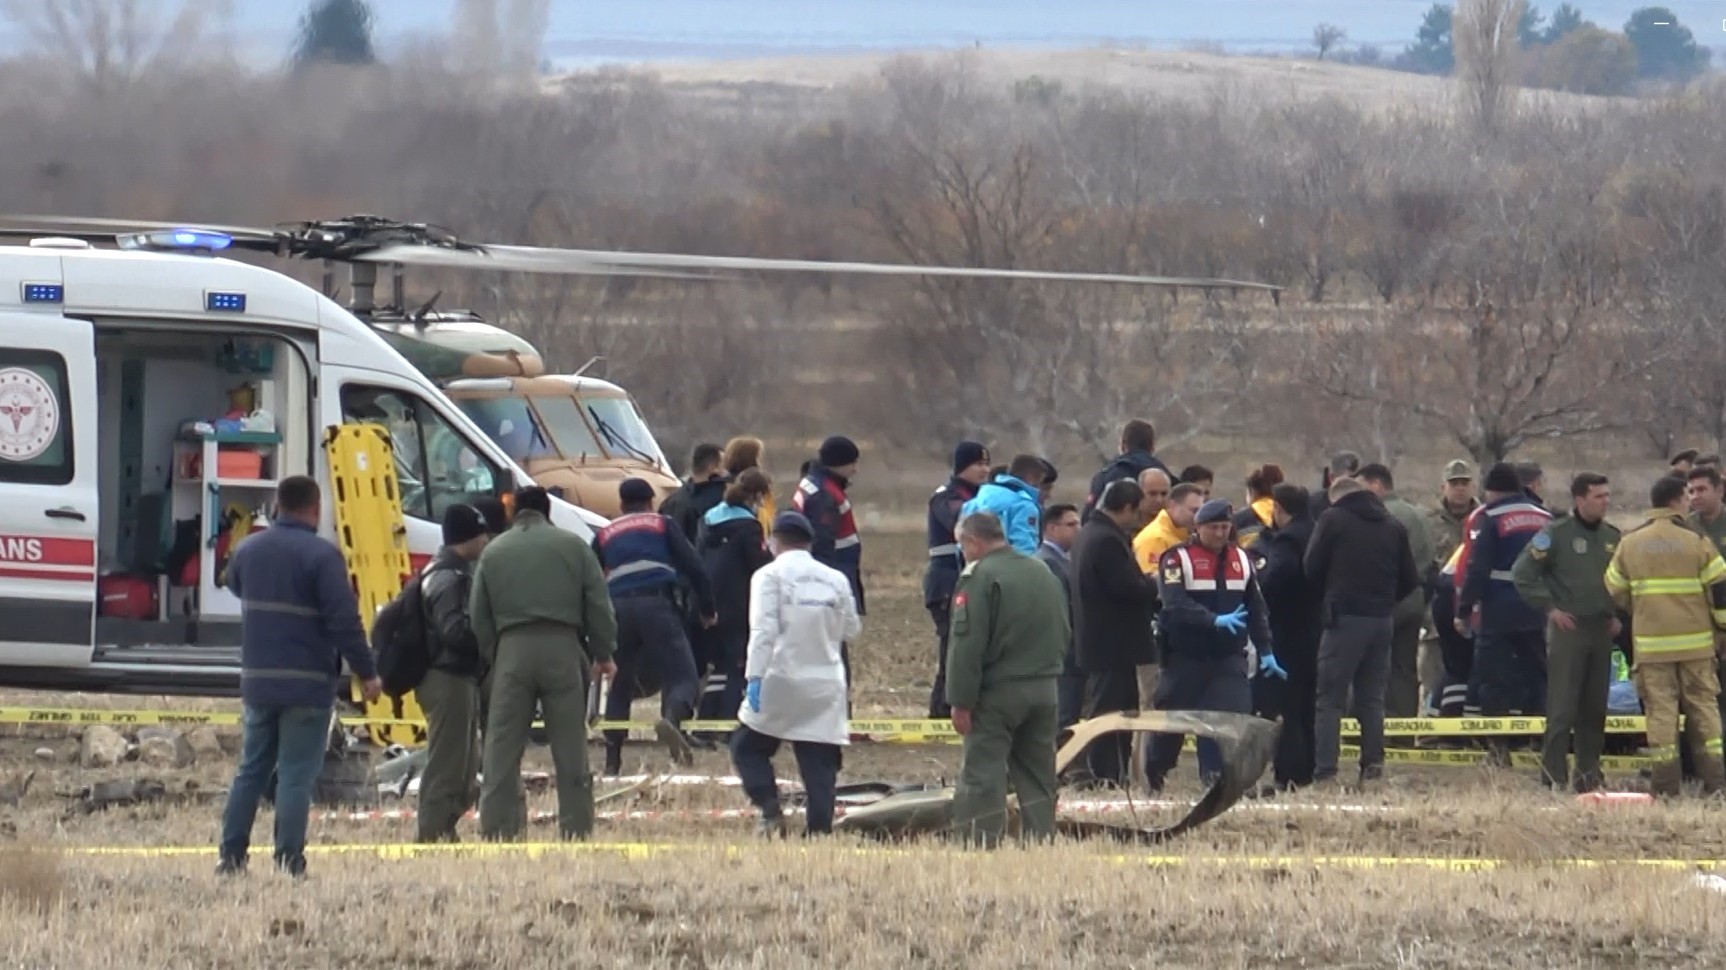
x: 818, y: 764
x: 1353, y: 654
x: 942, y: 614
x: 1069, y: 692
x: 1108, y: 691
x: 1402, y: 688
x: 719, y: 669
x: 1457, y: 652
x: 1509, y: 672
x: 1188, y: 684
x: 1580, y: 664
x: 1293, y: 701
x: 651, y: 643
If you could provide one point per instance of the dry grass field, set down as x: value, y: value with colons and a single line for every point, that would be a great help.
x: 1177, y: 75
x: 1437, y: 868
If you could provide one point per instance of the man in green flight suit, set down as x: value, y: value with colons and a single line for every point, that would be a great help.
x: 1009, y: 634
x: 543, y: 622
x: 1563, y: 571
x: 1707, y: 518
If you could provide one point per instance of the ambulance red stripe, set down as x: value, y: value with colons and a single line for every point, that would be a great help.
x: 11, y: 572
x: 28, y: 550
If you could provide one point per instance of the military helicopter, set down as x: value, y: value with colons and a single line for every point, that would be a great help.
x: 575, y: 434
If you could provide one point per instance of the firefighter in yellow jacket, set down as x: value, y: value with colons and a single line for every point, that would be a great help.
x: 1673, y: 582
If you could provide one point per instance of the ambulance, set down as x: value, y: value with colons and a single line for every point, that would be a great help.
x: 150, y: 401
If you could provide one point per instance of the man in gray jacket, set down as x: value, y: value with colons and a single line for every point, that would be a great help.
x: 449, y: 694
x: 1402, y: 691
x: 1060, y: 528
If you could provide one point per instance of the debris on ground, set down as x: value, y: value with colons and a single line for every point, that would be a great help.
x: 1247, y: 744
x: 13, y: 790
x: 102, y: 747
x: 161, y: 747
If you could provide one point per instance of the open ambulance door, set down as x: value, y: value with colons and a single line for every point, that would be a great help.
x: 48, y: 495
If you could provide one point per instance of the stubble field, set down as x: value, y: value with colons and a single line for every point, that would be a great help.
x: 1453, y: 867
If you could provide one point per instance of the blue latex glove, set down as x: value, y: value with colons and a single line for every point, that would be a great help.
x: 1270, y: 668
x: 752, y: 694
x: 1232, y: 622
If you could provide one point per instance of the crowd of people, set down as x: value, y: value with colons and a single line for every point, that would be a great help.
x: 1352, y: 601
x: 1302, y: 606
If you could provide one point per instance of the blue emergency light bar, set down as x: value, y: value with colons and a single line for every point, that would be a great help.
x: 44, y: 293
x: 177, y: 240
x: 224, y: 302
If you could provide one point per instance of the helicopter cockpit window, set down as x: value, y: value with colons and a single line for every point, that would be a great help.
x: 563, y: 418
x: 621, y: 430
x: 435, y: 466
x: 512, y: 424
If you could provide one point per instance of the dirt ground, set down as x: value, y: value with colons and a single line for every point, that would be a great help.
x: 1437, y: 867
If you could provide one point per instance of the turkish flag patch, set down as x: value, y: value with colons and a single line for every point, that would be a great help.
x: 959, y: 601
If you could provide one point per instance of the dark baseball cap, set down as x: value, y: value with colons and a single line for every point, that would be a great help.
x: 793, y: 523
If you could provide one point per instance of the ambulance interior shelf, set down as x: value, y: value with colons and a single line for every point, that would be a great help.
x: 230, y: 476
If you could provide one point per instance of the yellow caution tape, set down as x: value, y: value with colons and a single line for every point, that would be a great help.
x: 643, y: 850
x: 912, y: 730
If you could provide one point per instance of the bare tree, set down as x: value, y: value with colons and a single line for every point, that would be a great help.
x: 1487, y: 50
x: 1511, y: 351
x: 109, y: 42
x: 1325, y: 37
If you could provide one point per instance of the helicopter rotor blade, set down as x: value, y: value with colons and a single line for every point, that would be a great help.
x: 516, y: 259
x: 534, y: 259
x: 123, y: 226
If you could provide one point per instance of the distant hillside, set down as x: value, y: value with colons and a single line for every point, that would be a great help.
x: 1175, y: 74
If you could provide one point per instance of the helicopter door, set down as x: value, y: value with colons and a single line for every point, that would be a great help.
x: 48, y: 493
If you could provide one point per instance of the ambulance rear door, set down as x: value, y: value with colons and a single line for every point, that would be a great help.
x: 48, y: 503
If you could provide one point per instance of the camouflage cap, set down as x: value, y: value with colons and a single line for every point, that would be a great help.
x: 1459, y: 470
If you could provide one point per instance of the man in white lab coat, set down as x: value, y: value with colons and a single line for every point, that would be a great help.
x: 800, y: 611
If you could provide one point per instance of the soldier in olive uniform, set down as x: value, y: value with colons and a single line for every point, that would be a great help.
x: 1707, y: 518
x: 543, y: 621
x: 1562, y: 571
x: 1009, y: 636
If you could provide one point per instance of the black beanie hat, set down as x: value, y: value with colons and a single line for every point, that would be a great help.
x: 495, y: 515
x: 967, y: 454
x: 1502, y: 477
x: 838, y: 450
x: 461, y: 523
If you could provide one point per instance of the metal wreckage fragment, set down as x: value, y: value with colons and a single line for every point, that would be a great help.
x: 1248, y: 744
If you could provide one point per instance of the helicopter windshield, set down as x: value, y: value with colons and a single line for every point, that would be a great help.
x: 562, y: 417
x: 511, y: 423
x: 621, y: 429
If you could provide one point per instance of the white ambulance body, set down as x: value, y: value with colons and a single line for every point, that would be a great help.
x: 106, y: 356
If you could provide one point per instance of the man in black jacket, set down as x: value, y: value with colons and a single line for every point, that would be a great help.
x: 1138, y: 453
x: 449, y: 694
x: 701, y: 491
x: 1112, y: 606
x: 1359, y: 565
x: 1295, y: 629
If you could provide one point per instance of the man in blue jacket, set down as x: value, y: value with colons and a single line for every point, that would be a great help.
x: 298, y: 621
x: 1015, y: 500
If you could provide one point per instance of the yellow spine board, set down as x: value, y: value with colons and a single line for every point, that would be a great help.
x: 374, y: 541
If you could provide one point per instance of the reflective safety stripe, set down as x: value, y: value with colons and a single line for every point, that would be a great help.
x: 1712, y: 746
x: 845, y: 507
x: 950, y: 549
x: 1720, y: 618
x: 1674, y: 643
x: 1504, y: 575
x: 1664, y: 752
x: 1666, y: 587
x: 272, y: 606
x: 638, y: 567
x: 1713, y: 572
x: 847, y: 542
x: 1187, y: 580
x: 1246, y: 570
x: 1513, y: 507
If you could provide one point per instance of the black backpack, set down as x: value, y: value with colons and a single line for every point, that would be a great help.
x: 401, y: 640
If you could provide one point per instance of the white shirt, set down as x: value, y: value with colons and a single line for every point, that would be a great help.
x: 800, y: 611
